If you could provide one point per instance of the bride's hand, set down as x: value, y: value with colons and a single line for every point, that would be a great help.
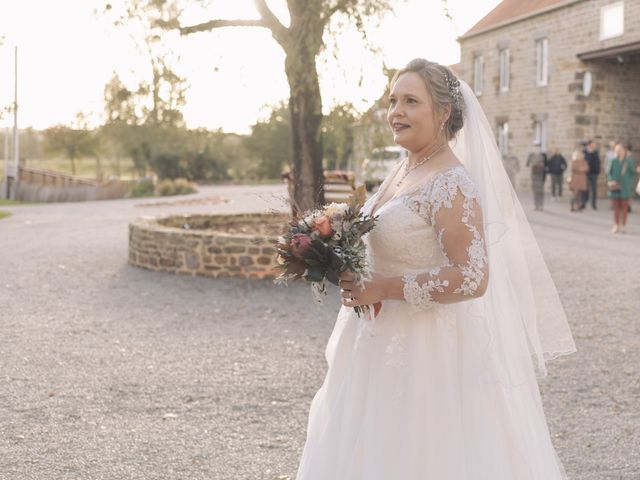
x: 370, y: 293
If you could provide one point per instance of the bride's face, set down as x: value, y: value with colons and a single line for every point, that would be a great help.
x: 411, y: 115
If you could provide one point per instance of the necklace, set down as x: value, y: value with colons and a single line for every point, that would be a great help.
x: 408, y: 170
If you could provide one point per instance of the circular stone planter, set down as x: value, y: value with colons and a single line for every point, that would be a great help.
x: 236, y: 245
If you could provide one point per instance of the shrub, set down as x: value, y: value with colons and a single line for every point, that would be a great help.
x: 168, y: 165
x: 179, y: 186
x: 165, y: 188
x: 143, y: 188
x: 183, y: 186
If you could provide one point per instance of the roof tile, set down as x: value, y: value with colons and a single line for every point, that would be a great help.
x: 510, y: 9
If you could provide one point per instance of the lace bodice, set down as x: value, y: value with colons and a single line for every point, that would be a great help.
x: 432, y: 237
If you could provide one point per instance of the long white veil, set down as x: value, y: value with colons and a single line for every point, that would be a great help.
x: 521, y: 310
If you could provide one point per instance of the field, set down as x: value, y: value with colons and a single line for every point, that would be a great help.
x: 119, y: 168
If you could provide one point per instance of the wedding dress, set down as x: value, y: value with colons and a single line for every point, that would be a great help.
x: 441, y: 385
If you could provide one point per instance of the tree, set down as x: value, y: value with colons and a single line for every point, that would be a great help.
x: 337, y: 130
x: 269, y: 145
x: 72, y: 143
x: 158, y: 100
x: 301, y: 42
x: 144, y: 122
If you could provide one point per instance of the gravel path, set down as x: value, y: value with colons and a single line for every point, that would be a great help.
x: 111, y: 372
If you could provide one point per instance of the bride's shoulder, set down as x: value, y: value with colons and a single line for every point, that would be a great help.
x: 446, y: 182
x: 442, y: 189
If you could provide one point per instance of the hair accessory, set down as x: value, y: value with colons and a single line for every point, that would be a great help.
x: 454, y: 88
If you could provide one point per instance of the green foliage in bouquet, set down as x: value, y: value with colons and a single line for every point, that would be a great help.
x: 321, y: 244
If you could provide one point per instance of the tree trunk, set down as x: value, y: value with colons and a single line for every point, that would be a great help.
x: 305, y: 106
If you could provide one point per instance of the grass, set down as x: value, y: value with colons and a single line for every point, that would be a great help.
x: 4, y: 214
x: 10, y: 202
x: 84, y: 167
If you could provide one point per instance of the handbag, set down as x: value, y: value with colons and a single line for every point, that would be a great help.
x: 638, y: 188
x: 614, y: 185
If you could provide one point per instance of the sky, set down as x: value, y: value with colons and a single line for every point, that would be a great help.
x: 67, y: 53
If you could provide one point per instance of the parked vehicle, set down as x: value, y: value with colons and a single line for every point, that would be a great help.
x: 380, y: 164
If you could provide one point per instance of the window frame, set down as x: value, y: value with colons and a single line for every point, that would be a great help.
x: 541, y: 134
x: 542, y: 61
x: 478, y: 75
x: 504, y: 57
x: 603, y: 11
x: 503, y: 137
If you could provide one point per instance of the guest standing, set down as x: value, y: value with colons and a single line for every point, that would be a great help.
x: 512, y: 166
x: 592, y: 157
x: 556, y: 167
x: 620, y: 183
x: 537, y: 162
x: 610, y: 155
x: 578, y: 180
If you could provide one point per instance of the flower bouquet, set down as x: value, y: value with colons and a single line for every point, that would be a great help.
x: 323, y: 243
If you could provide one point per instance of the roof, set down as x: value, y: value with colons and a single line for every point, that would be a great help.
x: 509, y: 11
x: 616, y: 52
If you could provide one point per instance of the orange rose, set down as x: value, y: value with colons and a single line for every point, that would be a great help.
x: 323, y: 226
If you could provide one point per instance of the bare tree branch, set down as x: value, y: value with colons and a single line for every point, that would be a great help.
x: 211, y: 24
x: 278, y: 30
x: 341, y: 6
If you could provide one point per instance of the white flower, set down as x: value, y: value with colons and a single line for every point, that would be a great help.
x: 334, y: 209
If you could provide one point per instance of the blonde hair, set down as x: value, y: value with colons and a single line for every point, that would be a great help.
x: 444, y: 89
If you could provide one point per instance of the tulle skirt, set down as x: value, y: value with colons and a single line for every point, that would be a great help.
x: 404, y: 399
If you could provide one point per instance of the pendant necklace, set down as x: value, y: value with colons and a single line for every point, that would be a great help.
x: 408, y: 170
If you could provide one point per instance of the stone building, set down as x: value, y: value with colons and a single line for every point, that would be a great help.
x: 557, y: 71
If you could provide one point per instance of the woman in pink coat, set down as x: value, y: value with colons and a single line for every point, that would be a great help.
x: 578, y: 179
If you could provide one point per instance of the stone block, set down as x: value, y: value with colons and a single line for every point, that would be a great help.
x: 265, y: 260
x: 235, y: 249
x: 167, y: 262
x: 221, y: 259
x: 245, y: 260
x: 192, y: 260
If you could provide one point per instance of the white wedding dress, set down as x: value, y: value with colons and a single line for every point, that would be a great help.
x: 419, y: 392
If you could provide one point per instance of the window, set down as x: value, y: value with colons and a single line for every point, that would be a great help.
x: 612, y: 20
x: 504, y: 70
x: 478, y: 73
x: 542, y: 62
x: 503, y: 137
x: 541, y: 134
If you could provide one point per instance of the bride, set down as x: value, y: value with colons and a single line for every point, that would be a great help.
x: 439, y: 382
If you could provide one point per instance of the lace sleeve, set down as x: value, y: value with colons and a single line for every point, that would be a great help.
x: 451, y: 205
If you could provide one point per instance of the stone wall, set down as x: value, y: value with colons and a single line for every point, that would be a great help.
x: 610, y: 112
x: 241, y: 245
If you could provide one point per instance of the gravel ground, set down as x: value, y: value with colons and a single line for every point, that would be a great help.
x: 111, y: 372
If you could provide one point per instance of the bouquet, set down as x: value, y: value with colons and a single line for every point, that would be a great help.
x: 323, y: 243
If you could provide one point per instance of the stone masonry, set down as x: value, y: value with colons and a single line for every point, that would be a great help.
x: 609, y: 112
x: 239, y: 245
